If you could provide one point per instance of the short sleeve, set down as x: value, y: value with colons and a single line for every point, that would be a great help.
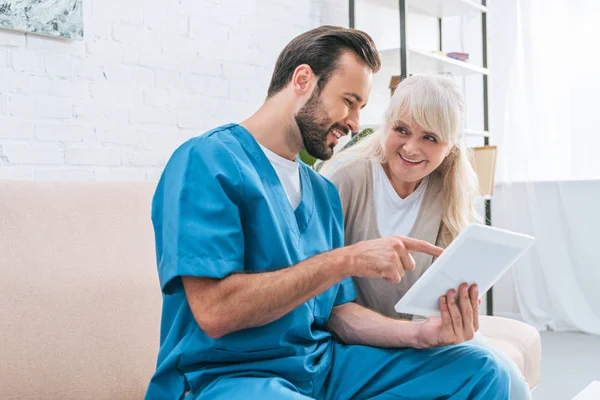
x: 196, y: 216
x: 346, y: 292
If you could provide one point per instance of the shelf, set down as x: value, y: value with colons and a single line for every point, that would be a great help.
x: 423, y: 61
x: 436, y: 8
x: 445, y: 8
x: 469, y: 132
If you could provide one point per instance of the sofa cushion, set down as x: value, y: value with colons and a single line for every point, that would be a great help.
x: 519, y: 341
x: 79, y: 291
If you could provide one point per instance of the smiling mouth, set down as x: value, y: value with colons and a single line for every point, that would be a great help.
x: 410, y: 160
x: 336, y: 135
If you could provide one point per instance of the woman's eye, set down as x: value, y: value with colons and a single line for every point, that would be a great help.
x: 430, y: 138
x: 401, y: 130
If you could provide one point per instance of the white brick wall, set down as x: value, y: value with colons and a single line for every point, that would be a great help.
x: 148, y: 75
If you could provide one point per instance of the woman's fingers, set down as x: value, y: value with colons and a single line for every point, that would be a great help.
x: 466, y: 309
x: 446, y: 318
x: 460, y: 318
x: 457, y: 321
x: 475, y: 302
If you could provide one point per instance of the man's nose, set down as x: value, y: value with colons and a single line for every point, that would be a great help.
x: 353, y: 121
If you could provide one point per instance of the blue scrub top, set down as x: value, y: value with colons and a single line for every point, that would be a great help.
x: 220, y: 208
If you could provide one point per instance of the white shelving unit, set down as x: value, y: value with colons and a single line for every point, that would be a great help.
x: 404, y: 59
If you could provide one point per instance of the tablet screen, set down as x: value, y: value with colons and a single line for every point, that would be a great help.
x: 479, y: 255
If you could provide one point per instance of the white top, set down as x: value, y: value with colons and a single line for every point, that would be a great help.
x: 289, y: 175
x: 395, y: 215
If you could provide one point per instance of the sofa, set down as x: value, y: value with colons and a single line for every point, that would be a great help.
x: 80, y: 298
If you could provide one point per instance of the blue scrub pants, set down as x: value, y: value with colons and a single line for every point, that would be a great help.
x: 519, y: 388
x: 359, y: 372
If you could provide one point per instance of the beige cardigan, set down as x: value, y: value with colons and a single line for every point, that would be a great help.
x: 354, y: 182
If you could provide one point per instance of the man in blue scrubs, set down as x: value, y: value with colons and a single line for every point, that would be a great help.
x: 257, y: 289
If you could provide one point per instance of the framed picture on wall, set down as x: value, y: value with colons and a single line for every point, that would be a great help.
x: 59, y: 18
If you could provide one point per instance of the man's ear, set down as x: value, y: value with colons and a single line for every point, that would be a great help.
x: 303, y: 79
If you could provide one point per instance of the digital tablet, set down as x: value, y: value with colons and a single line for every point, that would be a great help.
x: 480, y: 254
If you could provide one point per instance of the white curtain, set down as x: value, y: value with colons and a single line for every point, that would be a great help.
x: 545, y: 118
x: 557, y: 283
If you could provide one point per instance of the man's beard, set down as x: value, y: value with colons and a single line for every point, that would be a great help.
x: 315, y: 126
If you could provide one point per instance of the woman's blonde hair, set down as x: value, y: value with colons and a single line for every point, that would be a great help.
x: 435, y: 103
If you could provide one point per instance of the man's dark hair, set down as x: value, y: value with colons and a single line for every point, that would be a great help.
x: 320, y: 48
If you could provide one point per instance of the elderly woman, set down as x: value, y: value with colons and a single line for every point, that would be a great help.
x: 412, y: 177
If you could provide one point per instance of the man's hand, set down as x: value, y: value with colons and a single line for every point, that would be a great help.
x: 458, y: 322
x: 387, y: 258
